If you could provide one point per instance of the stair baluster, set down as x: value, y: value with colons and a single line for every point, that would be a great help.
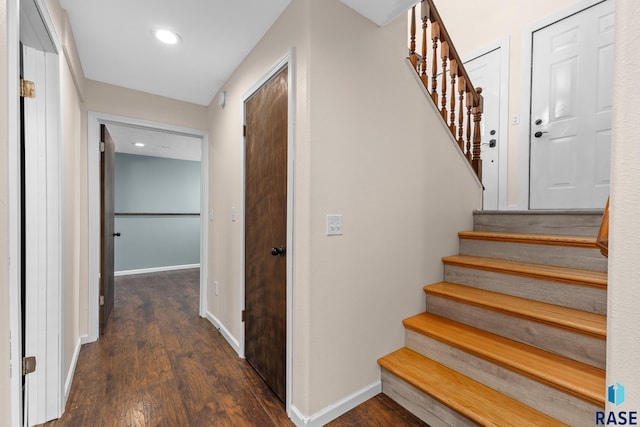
x: 467, y: 94
x: 444, y: 54
x: 412, y: 43
x: 461, y: 89
x: 425, y: 19
x: 453, y: 71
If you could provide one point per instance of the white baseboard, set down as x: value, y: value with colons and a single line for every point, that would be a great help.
x: 84, y: 339
x: 72, y: 371
x: 332, y: 412
x: 155, y: 269
x: 224, y: 331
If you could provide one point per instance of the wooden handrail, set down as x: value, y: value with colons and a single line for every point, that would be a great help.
x: 468, y: 102
x: 602, y: 241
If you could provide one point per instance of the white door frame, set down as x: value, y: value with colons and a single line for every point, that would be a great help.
x: 503, y: 145
x: 47, y: 195
x: 95, y: 119
x: 286, y: 60
x: 525, y: 93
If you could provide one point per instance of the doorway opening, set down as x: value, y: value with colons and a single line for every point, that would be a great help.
x: 161, y: 133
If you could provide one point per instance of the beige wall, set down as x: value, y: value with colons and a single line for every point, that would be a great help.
x: 5, y: 414
x: 473, y: 25
x: 382, y: 157
x: 370, y: 146
x: 623, y: 345
x: 225, y: 170
x: 106, y: 98
x: 74, y: 210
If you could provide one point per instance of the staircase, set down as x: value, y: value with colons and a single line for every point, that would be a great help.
x: 515, y: 335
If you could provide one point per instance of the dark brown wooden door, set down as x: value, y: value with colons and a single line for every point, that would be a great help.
x: 266, y: 232
x: 107, y: 160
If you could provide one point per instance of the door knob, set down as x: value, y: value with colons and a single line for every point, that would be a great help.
x: 116, y: 234
x: 278, y: 251
x: 539, y: 134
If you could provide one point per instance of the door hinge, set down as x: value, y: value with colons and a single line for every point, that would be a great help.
x: 28, y: 365
x: 244, y: 130
x: 27, y: 89
x: 102, y: 147
x: 244, y: 315
x: 101, y: 299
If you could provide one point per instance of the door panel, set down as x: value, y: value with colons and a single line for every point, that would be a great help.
x: 570, y: 130
x: 107, y: 160
x: 484, y: 72
x: 266, y: 228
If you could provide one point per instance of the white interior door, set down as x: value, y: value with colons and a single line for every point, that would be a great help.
x: 484, y: 72
x: 42, y: 239
x: 570, y: 123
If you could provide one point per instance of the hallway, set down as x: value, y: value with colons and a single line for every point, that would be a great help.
x: 160, y: 364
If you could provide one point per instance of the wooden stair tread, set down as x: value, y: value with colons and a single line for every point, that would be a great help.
x: 540, y: 239
x: 578, y: 321
x: 469, y: 398
x: 574, y: 276
x: 578, y: 379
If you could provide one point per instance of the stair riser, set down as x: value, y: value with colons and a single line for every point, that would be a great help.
x: 419, y: 404
x: 576, y: 346
x: 562, y: 256
x: 585, y: 298
x: 539, y: 223
x: 555, y: 403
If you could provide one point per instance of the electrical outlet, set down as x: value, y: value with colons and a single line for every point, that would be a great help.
x: 334, y: 225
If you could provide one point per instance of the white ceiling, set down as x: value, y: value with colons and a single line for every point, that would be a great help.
x: 156, y: 143
x: 116, y: 44
x: 380, y: 12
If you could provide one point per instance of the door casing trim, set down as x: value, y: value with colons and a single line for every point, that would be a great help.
x: 504, y: 45
x: 524, y: 164
x: 95, y: 119
x: 288, y: 60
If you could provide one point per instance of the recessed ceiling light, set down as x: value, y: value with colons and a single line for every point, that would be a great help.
x: 139, y: 144
x: 166, y: 36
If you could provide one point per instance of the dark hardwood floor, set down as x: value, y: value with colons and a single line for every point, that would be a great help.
x: 160, y: 364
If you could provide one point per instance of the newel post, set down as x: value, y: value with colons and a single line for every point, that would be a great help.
x: 476, y: 162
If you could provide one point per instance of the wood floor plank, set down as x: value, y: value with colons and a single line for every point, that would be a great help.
x: 160, y: 364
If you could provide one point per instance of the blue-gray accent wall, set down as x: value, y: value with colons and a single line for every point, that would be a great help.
x: 156, y: 185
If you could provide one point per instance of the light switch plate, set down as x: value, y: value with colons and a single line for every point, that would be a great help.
x: 334, y: 225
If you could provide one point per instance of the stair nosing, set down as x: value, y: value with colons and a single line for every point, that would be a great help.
x: 573, y: 276
x: 557, y: 368
x: 540, y: 312
x: 465, y: 410
x: 531, y: 238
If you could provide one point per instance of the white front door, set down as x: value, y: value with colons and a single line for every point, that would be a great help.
x: 484, y: 72
x: 570, y: 123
